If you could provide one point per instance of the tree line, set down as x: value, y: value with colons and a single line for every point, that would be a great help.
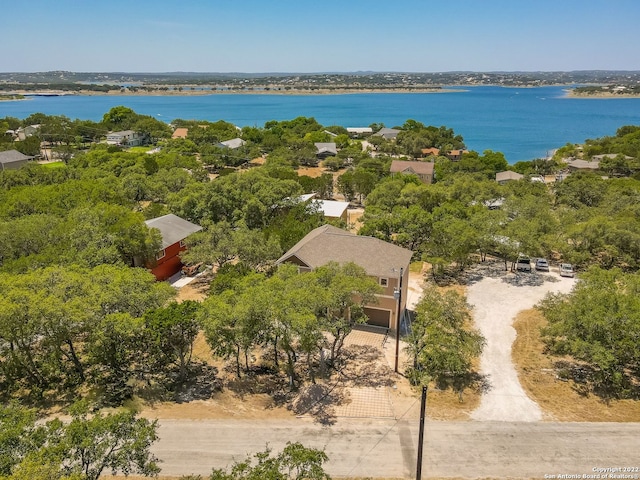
x: 86, y: 220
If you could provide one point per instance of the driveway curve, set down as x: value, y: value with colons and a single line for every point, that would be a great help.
x: 496, y: 301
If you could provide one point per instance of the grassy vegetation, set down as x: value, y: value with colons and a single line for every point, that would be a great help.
x: 144, y: 149
x: 416, y: 267
x: 11, y: 97
x: 560, y: 400
x: 53, y: 165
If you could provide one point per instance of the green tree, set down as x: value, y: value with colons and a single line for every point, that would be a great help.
x: 119, y: 118
x: 18, y: 436
x: 599, y: 323
x: 295, y: 462
x: 117, y: 442
x: 115, y: 349
x: 47, y: 315
x: 80, y: 450
x: 235, y: 321
x: 29, y: 146
x: 441, y: 344
x: 342, y: 292
x: 172, y: 331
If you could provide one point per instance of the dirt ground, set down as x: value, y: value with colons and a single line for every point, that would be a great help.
x: 369, y: 368
x: 193, y: 291
x: 560, y: 400
x: 534, y: 372
x: 313, y: 172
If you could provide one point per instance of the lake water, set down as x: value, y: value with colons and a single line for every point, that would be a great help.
x: 523, y: 123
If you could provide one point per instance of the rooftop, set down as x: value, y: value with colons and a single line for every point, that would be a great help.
x: 172, y: 228
x: 11, y: 156
x: 328, y: 243
x: 406, y: 166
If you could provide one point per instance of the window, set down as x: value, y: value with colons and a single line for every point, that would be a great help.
x: 160, y: 254
x: 182, y: 244
x: 384, y: 282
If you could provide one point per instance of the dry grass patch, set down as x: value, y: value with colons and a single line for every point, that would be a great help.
x: 354, y: 219
x: 196, y: 290
x: 446, y: 404
x: 559, y: 399
x: 222, y: 405
x: 313, y: 172
x: 202, y: 352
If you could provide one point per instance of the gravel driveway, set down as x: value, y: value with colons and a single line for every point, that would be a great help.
x: 496, y: 300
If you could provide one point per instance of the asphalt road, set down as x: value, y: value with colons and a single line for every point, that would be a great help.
x: 387, y: 448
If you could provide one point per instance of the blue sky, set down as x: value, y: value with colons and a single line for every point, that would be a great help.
x: 320, y: 36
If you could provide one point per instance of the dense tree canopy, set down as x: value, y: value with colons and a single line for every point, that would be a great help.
x: 289, y: 313
x: 82, y: 449
x: 598, y: 323
x: 71, y: 235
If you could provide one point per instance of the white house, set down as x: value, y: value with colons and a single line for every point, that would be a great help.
x: 126, y: 138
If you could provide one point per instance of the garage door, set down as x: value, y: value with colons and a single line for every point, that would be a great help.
x: 378, y: 317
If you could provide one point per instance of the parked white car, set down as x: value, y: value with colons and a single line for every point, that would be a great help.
x: 566, y: 270
x: 523, y: 264
x: 542, y: 265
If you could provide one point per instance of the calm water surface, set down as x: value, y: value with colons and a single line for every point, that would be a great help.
x: 523, y: 123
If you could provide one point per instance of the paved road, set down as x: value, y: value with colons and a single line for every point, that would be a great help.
x: 387, y: 448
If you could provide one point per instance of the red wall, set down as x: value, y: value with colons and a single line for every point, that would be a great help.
x: 170, y: 264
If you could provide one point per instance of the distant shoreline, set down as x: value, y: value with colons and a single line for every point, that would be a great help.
x: 571, y: 93
x: 20, y: 95
x: 178, y: 93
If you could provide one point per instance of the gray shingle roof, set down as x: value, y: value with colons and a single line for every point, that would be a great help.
x: 584, y: 164
x: 11, y: 156
x: 326, y: 147
x: 406, y: 166
x: 172, y: 228
x: 508, y: 175
x: 388, y: 133
x: 328, y: 243
x: 233, y: 143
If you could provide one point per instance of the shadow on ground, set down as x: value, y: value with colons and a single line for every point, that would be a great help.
x: 496, y: 269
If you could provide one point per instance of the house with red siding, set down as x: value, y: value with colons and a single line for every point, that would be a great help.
x: 174, y: 230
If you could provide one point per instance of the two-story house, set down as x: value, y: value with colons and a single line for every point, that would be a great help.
x: 174, y: 230
x: 424, y: 170
x: 381, y: 260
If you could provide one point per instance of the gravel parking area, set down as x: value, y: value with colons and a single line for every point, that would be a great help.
x: 496, y: 300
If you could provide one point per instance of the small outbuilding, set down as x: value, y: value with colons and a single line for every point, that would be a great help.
x: 326, y: 149
x: 456, y: 155
x: 359, y: 131
x: 332, y: 209
x: 430, y: 152
x: 232, y: 144
x: 583, y: 165
x: 387, y: 133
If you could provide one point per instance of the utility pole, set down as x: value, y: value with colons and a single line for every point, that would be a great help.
x: 423, y: 407
x: 399, y: 297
